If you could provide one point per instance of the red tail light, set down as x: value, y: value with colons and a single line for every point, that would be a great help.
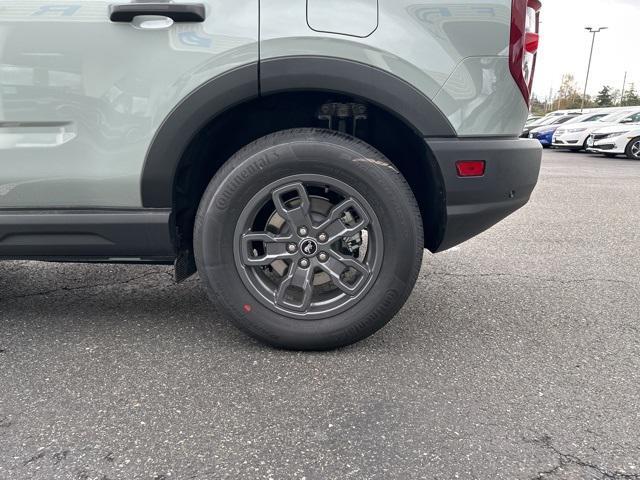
x: 531, y: 42
x: 470, y: 168
x: 523, y: 45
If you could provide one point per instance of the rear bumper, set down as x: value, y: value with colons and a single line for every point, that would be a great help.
x: 475, y: 204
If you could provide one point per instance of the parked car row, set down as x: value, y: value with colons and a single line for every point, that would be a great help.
x: 608, y: 131
x: 544, y: 133
x: 616, y: 140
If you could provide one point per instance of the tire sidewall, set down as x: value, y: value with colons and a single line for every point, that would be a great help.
x: 366, y: 171
x: 628, y: 149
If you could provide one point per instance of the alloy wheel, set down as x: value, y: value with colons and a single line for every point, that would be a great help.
x: 308, y: 246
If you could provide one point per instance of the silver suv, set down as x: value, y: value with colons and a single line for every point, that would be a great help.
x: 299, y: 155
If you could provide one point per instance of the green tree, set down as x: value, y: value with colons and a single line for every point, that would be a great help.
x: 568, y: 96
x: 604, y: 98
x: 615, y: 96
x: 631, y: 98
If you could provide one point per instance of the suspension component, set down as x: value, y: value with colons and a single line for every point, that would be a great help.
x: 343, y: 117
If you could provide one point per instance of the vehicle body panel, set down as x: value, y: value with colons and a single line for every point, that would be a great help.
x: 358, y: 18
x: 95, y: 115
x: 544, y: 134
x: 455, y: 54
x: 481, y: 98
x: 614, y: 139
x: 82, y: 97
x: 476, y: 204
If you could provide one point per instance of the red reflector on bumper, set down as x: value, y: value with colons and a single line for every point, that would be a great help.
x: 470, y: 168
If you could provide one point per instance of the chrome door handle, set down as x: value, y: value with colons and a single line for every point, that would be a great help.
x: 178, y: 12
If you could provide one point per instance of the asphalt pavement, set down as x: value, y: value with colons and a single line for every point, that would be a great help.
x: 516, y: 357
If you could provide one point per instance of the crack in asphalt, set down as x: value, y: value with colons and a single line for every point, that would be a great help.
x: 567, y: 459
x: 530, y: 277
x: 34, y: 458
x: 85, y: 287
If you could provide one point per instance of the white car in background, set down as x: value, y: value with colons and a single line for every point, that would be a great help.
x: 616, y: 140
x: 575, y: 137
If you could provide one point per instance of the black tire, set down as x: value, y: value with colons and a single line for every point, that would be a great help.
x: 585, y: 146
x: 633, y: 149
x: 308, y: 153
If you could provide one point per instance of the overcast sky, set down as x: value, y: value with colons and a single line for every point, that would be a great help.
x: 565, y: 44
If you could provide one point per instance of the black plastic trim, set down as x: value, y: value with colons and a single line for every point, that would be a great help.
x: 359, y: 80
x: 178, y: 12
x: 475, y: 204
x: 184, y: 122
x: 97, y: 234
x: 279, y: 75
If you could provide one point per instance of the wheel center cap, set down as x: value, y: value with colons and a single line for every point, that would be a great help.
x: 309, y: 247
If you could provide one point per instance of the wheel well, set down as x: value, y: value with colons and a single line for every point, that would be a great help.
x: 223, y: 136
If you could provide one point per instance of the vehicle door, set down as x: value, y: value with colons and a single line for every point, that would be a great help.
x: 82, y: 96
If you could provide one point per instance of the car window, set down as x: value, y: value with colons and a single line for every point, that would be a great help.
x: 589, y: 117
x: 635, y: 118
x: 616, y: 116
x: 563, y: 119
x: 543, y: 121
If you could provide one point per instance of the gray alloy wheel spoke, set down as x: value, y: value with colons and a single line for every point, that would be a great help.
x: 275, y: 246
x: 277, y: 259
x: 334, y: 268
x: 298, y: 216
x: 635, y: 149
x: 360, y: 267
x: 335, y: 228
x: 296, y: 277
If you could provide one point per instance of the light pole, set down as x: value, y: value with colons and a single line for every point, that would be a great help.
x: 593, y: 42
x: 624, y: 85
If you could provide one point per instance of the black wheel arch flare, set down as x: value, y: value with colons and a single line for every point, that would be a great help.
x: 277, y: 75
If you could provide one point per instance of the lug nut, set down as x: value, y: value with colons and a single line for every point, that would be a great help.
x: 323, y: 257
x: 323, y: 237
x: 291, y: 248
x: 303, y: 231
x: 304, y: 263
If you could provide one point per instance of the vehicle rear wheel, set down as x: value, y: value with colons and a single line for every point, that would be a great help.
x: 633, y: 149
x: 309, y: 239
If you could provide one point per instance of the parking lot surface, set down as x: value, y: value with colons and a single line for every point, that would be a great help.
x: 517, y: 357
